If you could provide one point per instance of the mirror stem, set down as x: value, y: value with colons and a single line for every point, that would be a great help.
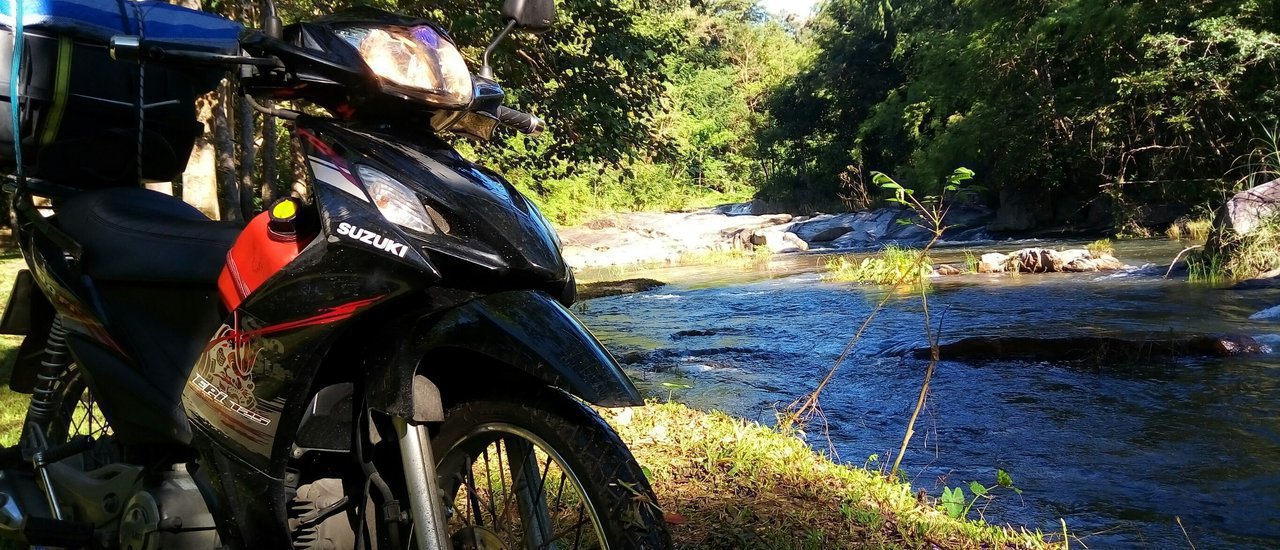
x: 487, y: 71
x: 271, y: 24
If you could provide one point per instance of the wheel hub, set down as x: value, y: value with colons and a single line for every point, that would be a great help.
x: 477, y: 538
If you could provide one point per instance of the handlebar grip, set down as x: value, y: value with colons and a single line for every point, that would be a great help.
x: 131, y: 48
x: 521, y: 121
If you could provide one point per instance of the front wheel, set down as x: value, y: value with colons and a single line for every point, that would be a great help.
x: 542, y: 471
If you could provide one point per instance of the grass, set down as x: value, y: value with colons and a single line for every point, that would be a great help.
x: 13, y: 406
x: 729, y: 483
x: 1101, y: 247
x: 733, y: 258
x: 971, y: 261
x: 1192, y: 229
x: 893, y: 265
x: 1241, y: 257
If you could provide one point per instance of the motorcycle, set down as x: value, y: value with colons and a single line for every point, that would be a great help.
x: 383, y: 360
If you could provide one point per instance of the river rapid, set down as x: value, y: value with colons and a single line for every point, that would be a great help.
x: 1121, y: 452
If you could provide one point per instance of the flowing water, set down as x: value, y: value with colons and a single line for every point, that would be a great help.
x: 1121, y: 452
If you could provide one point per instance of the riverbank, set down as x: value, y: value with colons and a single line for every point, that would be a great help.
x: 725, y: 482
x: 728, y: 483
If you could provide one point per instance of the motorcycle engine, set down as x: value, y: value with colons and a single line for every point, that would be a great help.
x: 318, y: 518
x: 170, y: 513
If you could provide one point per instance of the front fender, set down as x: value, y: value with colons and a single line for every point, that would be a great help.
x: 525, y: 330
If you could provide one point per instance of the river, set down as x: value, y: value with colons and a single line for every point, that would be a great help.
x: 1121, y: 452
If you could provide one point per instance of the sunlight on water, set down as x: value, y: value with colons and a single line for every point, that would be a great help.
x: 1116, y: 450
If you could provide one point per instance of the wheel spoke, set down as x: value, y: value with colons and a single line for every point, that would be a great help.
x: 543, y: 504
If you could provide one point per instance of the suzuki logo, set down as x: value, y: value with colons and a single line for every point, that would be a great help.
x: 373, y: 239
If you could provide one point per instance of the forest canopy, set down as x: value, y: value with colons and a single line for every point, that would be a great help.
x: 1078, y: 111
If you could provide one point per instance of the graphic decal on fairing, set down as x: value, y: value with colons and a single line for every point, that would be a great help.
x: 336, y: 176
x: 224, y: 378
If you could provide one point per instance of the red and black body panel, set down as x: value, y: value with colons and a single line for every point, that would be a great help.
x: 375, y: 312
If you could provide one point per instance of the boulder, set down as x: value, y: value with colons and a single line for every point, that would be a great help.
x: 1089, y: 262
x: 781, y: 241
x: 589, y: 291
x: 967, y: 216
x: 908, y: 233
x: 993, y: 262
x: 754, y: 207
x: 1044, y: 260
x: 827, y: 227
x: 948, y: 270
x: 1249, y: 208
x: 1270, y: 279
x: 1036, y: 260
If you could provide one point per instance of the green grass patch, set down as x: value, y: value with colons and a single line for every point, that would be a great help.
x: 1238, y: 257
x: 13, y: 406
x: 893, y: 265
x: 1190, y: 229
x: 1101, y: 247
x: 729, y: 483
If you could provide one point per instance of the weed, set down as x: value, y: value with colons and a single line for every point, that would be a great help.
x: 971, y: 261
x: 893, y: 265
x: 957, y: 505
x: 1238, y: 257
x: 1192, y: 229
x: 1101, y: 247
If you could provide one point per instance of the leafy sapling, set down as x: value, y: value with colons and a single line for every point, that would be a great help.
x: 957, y: 505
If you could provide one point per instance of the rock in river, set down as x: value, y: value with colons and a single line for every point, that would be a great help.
x: 1094, y: 348
x: 1045, y: 260
x: 1249, y: 208
x: 616, y: 288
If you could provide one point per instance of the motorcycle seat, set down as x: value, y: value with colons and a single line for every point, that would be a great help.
x: 137, y: 235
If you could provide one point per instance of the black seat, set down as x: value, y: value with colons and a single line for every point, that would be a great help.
x: 133, y: 234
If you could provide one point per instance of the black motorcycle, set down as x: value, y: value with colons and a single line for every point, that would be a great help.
x: 383, y: 360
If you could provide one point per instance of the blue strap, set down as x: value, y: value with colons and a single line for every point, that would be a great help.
x: 15, y: 72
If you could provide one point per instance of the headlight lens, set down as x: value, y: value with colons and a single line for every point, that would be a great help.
x: 398, y: 203
x: 418, y: 58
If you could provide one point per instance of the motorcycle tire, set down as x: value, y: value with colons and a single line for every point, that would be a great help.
x: 583, y: 488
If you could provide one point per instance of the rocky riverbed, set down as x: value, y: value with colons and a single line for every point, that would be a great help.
x: 643, y: 237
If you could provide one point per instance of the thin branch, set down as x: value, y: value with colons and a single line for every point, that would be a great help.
x: 1179, y: 256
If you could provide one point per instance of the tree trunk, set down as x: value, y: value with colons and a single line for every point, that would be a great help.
x: 198, y: 185
x: 300, y: 171
x: 225, y: 148
x: 268, y: 192
x: 248, y: 157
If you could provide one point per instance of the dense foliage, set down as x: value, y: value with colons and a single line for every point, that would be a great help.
x: 1091, y: 112
x: 1055, y: 102
x: 650, y: 105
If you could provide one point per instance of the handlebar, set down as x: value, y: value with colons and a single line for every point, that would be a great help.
x: 524, y: 122
x: 132, y: 48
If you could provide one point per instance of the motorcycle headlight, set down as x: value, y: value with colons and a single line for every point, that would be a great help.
x: 398, y: 204
x: 416, y: 58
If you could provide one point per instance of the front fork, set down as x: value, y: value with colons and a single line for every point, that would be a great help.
x: 425, y: 504
x: 427, y: 507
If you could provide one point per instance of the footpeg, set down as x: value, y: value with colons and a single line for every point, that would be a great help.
x: 44, y: 458
x: 16, y: 523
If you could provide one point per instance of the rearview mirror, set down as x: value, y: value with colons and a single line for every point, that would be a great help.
x: 531, y: 15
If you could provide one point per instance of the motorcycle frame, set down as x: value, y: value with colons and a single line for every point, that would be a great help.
x: 352, y: 324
